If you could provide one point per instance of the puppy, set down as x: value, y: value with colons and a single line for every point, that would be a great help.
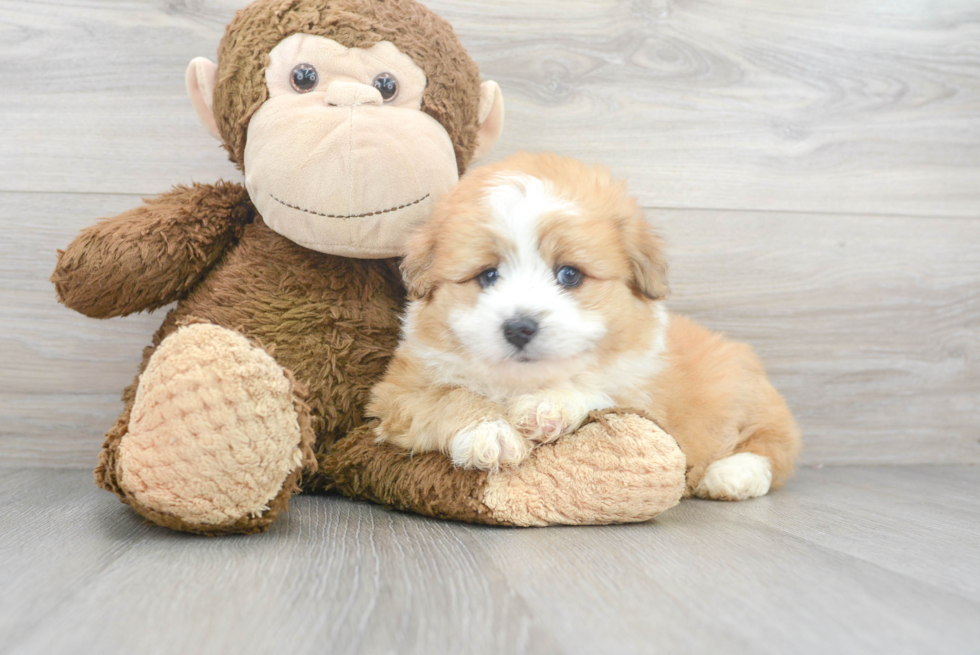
x: 536, y: 297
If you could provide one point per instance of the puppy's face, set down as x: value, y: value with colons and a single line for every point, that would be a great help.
x: 534, y: 265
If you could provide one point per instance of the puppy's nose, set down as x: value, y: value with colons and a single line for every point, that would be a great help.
x: 520, y: 330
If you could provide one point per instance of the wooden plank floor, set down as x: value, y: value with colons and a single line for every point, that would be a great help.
x: 844, y: 560
x: 815, y: 167
x: 848, y: 106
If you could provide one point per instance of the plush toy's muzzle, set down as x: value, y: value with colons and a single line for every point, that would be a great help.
x: 333, y: 165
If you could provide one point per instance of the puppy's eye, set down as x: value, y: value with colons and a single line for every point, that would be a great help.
x: 569, y: 276
x: 488, y: 277
x: 304, y: 78
x: 387, y: 85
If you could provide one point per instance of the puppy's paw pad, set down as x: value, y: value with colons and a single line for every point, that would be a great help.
x: 741, y: 476
x: 543, y: 420
x: 487, y: 445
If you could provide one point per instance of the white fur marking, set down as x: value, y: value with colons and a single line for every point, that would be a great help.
x: 526, y: 285
x: 740, y: 476
x: 562, y: 355
x: 487, y: 445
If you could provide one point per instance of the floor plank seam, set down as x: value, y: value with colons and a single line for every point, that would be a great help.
x: 744, y: 520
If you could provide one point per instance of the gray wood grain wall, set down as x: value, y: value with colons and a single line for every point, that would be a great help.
x: 815, y: 166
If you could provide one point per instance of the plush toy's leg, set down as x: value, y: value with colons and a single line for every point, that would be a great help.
x: 215, y: 438
x: 618, y: 468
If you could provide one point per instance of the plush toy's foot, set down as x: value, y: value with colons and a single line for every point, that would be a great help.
x: 216, y: 438
x: 618, y: 468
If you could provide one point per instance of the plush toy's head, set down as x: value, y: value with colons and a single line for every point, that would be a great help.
x: 348, y: 117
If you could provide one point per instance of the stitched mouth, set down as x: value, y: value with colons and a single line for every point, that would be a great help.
x: 364, y: 215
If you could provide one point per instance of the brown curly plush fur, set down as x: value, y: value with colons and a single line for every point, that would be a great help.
x: 330, y: 322
x: 425, y: 483
x: 133, y: 262
x: 452, y: 92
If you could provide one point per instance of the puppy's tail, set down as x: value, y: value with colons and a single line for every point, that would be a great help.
x: 773, y: 434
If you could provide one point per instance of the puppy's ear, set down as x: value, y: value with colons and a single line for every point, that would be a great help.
x: 417, y: 264
x: 646, y: 253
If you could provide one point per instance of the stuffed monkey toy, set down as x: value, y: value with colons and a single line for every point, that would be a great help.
x: 349, y: 118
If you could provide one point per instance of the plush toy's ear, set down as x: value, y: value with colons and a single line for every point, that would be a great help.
x: 200, y: 78
x: 647, y: 257
x: 417, y: 263
x: 491, y: 118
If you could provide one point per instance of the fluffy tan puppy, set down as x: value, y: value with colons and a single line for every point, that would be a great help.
x: 536, y: 297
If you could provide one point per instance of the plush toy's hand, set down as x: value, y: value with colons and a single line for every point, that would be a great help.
x: 617, y: 468
x: 151, y: 255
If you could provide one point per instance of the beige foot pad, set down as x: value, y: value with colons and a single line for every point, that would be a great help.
x: 213, y: 433
x: 620, y: 468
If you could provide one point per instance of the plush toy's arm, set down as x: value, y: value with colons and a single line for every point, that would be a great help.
x: 153, y: 254
x: 617, y: 468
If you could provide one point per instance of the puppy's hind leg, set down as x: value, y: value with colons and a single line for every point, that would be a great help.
x: 736, y: 477
x: 763, y: 459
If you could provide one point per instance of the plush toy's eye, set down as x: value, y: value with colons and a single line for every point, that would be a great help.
x: 488, y: 277
x: 569, y: 276
x: 304, y: 78
x: 387, y: 85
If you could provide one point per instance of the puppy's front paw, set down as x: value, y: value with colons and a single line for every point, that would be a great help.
x: 543, y: 419
x: 487, y: 445
x: 740, y: 476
